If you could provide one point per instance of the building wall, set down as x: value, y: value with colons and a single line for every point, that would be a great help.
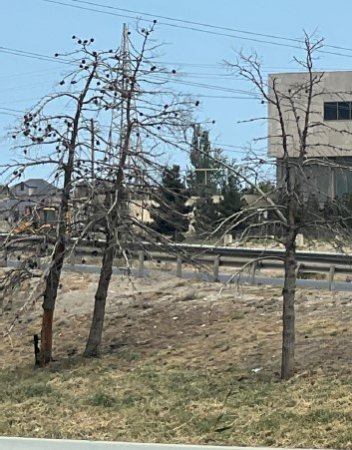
x: 20, y: 189
x: 140, y: 209
x: 326, y: 138
x: 329, y: 178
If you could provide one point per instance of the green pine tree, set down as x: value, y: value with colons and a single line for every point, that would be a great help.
x: 206, y: 216
x: 230, y: 202
x: 171, y: 216
x: 206, y: 175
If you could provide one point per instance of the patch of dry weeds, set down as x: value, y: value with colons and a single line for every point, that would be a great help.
x: 177, y: 367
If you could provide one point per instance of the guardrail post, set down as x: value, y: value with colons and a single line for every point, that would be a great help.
x: 298, y: 269
x: 73, y: 259
x: 37, y: 255
x: 3, y: 261
x: 140, y: 264
x: 331, y: 277
x: 254, y: 267
x: 216, y: 268
x: 179, y: 267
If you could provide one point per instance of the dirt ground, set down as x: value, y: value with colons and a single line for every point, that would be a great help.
x: 182, y: 361
x: 201, y: 324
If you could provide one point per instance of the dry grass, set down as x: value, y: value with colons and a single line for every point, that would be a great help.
x: 177, y: 367
x: 167, y: 403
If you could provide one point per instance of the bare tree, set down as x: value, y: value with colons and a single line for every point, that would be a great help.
x: 56, y: 133
x: 151, y: 122
x: 296, y: 131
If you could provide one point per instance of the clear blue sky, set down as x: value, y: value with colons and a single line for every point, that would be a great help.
x: 45, y: 28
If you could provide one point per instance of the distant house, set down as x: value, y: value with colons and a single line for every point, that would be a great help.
x: 34, y: 189
x: 19, y: 201
x: 259, y: 213
x: 140, y: 199
x: 4, y: 192
x: 11, y: 210
x: 258, y: 203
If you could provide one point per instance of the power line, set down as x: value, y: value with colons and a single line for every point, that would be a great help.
x: 10, y: 112
x: 206, y: 25
x: 34, y: 73
x: 24, y: 53
x: 10, y: 109
x: 210, y: 86
x: 4, y: 113
x: 189, y: 22
x: 21, y: 100
x: 168, y: 24
x: 226, y: 97
x: 200, y: 24
x: 31, y: 55
x: 31, y: 86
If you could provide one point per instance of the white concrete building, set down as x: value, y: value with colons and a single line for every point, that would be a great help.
x: 328, y: 161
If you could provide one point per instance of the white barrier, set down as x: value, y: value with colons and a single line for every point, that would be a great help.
x: 11, y: 443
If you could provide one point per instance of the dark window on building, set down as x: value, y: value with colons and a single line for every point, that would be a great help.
x: 343, y: 111
x: 330, y: 111
x: 338, y: 111
x: 22, y: 187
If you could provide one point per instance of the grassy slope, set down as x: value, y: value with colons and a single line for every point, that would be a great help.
x: 180, y: 370
x: 164, y: 403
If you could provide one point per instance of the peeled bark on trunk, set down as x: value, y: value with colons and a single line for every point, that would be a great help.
x: 96, y: 329
x: 46, y: 337
x: 53, y: 278
x: 288, y: 313
x: 49, y: 300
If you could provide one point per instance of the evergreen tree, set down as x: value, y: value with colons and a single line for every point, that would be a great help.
x: 230, y: 202
x: 206, y: 216
x: 209, y: 215
x: 264, y: 186
x: 206, y: 174
x: 171, y: 216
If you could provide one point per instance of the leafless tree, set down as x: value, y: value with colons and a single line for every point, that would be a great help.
x: 150, y: 123
x: 296, y: 129
x: 57, y: 134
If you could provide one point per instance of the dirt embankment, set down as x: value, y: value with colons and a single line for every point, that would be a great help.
x: 202, y: 324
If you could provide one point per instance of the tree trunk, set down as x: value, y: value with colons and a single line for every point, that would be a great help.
x: 288, y: 313
x: 46, y: 337
x: 96, y: 329
x: 49, y: 300
x: 57, y: 260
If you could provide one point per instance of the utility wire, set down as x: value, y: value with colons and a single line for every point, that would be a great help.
x: 210, y: 86
x: 26, y: 54
x: 205, y: 25
x: 109, y: 13
x: 193, y: 28
x: 32, y: 55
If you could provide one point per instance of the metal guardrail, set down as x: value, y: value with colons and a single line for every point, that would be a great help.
x: 10, y: 443
x: 253, y: 259
x: 330, y: 257
x: 198, y: 249
x: 243, y: 252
